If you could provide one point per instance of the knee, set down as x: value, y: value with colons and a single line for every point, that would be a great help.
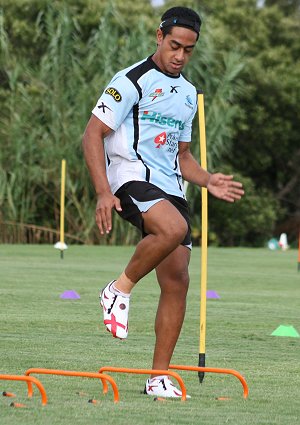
x: 181, y: 283
x: 176, y: 229
x: 177, y: 284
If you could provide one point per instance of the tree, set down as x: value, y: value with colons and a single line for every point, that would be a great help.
x: 289, y: 7
x: 266, y: 140
x: 56, y: 58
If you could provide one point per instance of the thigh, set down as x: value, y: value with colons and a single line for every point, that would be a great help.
x: 150, y: 209
x: 163, y: 218
x: 137, y: 197
x: 172, y: 273
x: 171, y: 216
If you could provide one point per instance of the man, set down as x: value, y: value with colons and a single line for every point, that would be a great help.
x: 136, y: 147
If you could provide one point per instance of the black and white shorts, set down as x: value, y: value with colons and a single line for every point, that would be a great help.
x: 138, y: 196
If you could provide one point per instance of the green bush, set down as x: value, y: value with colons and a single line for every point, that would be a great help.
x: 248, y: 222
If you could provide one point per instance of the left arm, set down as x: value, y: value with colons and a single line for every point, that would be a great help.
x: 219, y: 185
x: 190, y: 168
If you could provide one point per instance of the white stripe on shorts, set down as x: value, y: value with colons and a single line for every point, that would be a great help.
x: 145, y: 205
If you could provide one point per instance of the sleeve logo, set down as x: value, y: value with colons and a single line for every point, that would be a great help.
x: 114, y: 93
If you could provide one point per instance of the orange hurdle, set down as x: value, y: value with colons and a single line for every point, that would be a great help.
x: 29, y: 380
x: 148, y: 372
x: 215, y: 370
x: 101, y: 376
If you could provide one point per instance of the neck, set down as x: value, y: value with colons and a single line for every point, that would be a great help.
x: 157, y: 61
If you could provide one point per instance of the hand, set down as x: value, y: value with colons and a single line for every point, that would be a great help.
x: 223, y: 187
x: 105, y: 204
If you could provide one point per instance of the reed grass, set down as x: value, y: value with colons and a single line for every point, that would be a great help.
x: 48, y: 96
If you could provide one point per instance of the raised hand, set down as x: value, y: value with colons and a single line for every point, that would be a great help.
x: 224, y: 187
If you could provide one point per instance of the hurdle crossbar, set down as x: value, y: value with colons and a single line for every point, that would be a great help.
x: 215, y: 370
x: 148, y: 372
x: 98, y: 375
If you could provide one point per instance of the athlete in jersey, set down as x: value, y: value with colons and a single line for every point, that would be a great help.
x: 150, y: 112
x: 136, y: 146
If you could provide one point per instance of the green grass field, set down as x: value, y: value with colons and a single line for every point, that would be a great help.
x: 259, y: 291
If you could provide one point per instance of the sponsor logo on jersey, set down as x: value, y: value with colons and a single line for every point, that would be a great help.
x: 103, y: 106
x: 172, y: 142
x: 189, y: 102
x: 156, y: 117
x: 173, y: 89
x: 156, y: 93
x: 160, y: 139
x: 114, y: 93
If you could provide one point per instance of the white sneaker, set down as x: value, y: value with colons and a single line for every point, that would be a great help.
x: 115, y: 312
x: 162, y: 386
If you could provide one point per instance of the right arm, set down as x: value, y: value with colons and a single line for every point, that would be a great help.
x: 93, y: 149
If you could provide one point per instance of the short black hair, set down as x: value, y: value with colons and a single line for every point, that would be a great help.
x: 180, y: 17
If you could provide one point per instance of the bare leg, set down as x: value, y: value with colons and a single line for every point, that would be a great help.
x: 173, y: 278
x: 166, y: 229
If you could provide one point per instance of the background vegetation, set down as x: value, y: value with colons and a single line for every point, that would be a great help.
x: 57, y: 56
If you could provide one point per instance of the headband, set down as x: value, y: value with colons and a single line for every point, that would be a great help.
x: 170, y: 22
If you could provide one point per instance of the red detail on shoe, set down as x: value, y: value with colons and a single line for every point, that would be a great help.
x: 105, y: 296
x: 122, y: 306
x: 114, y: 325
x: 178, y: 394
x: 150, y: 387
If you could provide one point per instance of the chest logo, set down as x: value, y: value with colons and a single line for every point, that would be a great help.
x: 156, y: 117
x: 160, y: 139
x: 156, y: 93
x: 173, y: 89
x: 189, y: 102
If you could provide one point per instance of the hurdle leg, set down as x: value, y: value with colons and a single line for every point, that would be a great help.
x: 31, y: 380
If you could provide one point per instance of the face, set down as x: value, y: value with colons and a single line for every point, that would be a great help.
x: 174, y: 51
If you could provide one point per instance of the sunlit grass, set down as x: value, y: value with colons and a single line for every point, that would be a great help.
x: 258, y: 289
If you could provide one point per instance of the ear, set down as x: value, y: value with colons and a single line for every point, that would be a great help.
x: 159, y: 36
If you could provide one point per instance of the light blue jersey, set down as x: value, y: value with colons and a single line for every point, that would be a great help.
x: 150, y: 112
